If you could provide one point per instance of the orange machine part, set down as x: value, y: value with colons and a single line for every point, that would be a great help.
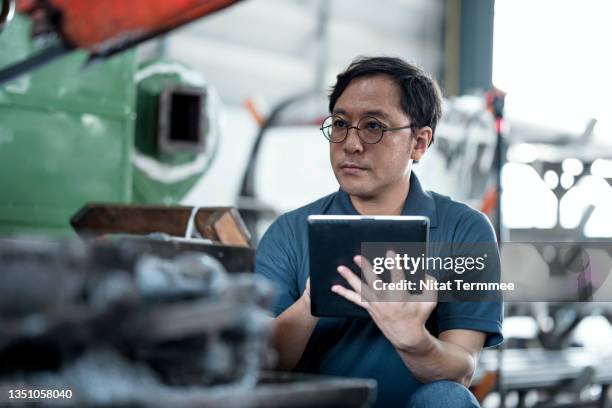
x: 489, y: 201
x: 485, y: 386
x: 96, y: 24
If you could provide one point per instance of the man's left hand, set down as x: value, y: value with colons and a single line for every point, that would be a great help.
x: 401, y: 316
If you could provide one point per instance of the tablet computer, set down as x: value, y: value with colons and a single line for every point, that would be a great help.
x: 334, y: 240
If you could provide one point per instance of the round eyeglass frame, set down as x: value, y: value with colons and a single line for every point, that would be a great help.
x: 348, y: 128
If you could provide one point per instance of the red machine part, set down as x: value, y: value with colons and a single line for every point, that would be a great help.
x: 101, y: 25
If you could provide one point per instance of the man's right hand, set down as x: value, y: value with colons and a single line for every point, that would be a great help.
x: 306, y: 295
x: 293, y: 330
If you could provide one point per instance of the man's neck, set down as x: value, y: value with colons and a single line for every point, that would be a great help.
x: 390, y: 202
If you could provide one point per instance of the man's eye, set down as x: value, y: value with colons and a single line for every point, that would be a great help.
x: 373, y: 125
x: 339, y: 123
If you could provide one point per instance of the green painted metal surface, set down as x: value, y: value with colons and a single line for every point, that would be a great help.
x: 66, y: 134
x: 153, y: 78
x: 69, y: 136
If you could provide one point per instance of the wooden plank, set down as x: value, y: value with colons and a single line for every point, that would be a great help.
x: 219, y: 224
x: 228, y: 229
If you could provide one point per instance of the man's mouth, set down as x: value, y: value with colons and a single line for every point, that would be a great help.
x: 350, y: 168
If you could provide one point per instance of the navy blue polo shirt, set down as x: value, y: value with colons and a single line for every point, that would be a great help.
x: 356, y: 347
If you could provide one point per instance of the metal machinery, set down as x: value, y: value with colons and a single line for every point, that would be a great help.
x: 67, y: 135
x: 118, y: 131
x: 156, y: 305
x: 548, y: 367
x: 118, y: 324
x: 176, y: 131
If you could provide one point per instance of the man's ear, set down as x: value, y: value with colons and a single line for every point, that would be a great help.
x: 422, y: 137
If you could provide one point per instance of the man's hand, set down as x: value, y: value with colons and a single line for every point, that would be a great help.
x: 293, y: 329
x: 401, y: 316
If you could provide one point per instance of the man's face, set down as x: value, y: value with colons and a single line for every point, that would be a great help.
x: 368, y: 170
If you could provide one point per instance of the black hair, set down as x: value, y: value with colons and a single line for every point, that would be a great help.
x: 421, y: 98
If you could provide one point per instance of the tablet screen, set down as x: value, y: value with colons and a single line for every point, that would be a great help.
x: 334, y: 240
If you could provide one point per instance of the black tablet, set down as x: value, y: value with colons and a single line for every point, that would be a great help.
x: 334, y: 240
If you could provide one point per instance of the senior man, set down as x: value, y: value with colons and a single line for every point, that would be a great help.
x: 383, y: 115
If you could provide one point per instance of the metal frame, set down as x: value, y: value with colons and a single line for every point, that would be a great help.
x: 165, y: 143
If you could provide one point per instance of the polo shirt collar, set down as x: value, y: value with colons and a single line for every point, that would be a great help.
x: 418, y: 202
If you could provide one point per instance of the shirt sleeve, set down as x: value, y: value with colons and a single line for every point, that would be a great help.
x: 276, y: 261
x: 473, y: 230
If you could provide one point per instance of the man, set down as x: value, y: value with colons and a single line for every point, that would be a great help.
x: 384, y: 113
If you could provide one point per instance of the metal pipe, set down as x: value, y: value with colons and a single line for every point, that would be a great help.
x: 7, y: 13
x: 322, y: 40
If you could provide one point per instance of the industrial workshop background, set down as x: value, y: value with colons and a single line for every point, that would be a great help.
x: 210, y: 131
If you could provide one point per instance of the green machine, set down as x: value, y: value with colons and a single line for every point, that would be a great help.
x: 119, y: 131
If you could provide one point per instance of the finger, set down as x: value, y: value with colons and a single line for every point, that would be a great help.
x: 355, y: 283
x: 352, y: 279
x: 366, y: 269
x: 429, y: 294
x: 350, y: 295
x: 397, y: 273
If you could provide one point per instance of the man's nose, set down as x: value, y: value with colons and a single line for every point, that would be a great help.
x: 352, y: 143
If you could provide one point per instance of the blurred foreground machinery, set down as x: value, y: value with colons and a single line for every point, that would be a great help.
x: 119, y: 326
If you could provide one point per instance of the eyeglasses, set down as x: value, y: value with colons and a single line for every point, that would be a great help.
x: 369, y: 129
